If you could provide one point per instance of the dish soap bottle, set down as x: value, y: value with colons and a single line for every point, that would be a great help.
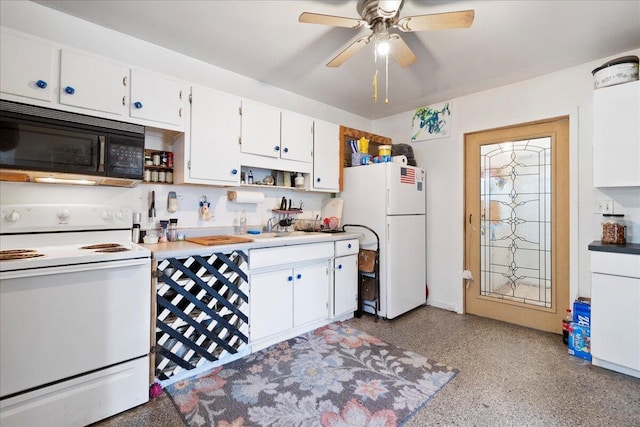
x: 250, y: 177
x: 243, y: 223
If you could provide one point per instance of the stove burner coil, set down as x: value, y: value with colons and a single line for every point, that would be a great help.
x: 16, y: 251
x: 102, y: 246
x: 4, y: 256
x: 114, y: 249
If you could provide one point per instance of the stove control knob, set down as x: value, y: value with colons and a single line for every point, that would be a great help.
x: 106, y: 215
x: 119, y: 215
x: 64, y: 215
x: 12, y: 216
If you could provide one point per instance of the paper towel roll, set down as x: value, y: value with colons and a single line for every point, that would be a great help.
x: 400, y: 159
x: 245, y: 196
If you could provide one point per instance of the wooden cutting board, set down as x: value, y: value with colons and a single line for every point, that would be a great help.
x: 218, y: 240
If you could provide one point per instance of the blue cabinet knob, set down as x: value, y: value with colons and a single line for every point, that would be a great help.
x: 318, y: 179
x: 234, y: 171
x: 349, y: 245
x: 339, y: 266
x: 299, y: 276
x: 41, y: 84
x: 276, y: 148
x: 286, y: 150
x: 69, y: 90
x: 290, y: 278
x: 137, y: 104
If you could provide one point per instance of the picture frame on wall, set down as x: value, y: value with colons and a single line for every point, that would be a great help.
x: 431, y: 122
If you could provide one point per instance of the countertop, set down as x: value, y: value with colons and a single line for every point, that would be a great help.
x: 629, y: 248
x: 184, y: 248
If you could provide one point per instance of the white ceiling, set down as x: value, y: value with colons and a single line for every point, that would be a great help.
x: 509, y: 41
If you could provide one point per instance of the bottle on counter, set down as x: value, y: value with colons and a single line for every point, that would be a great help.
x: 566, y: 326
x: 173, y: 229
x: 243, y: 223
x: 250, y: 177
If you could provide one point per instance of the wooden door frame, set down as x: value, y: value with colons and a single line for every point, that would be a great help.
x: 560, y: 214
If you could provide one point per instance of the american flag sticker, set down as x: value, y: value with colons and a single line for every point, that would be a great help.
x: 407, y: 176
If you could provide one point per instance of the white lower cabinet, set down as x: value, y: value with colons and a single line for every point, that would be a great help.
x: 310, y: 293
x: 289, y: 291
x: 615, y: 318
x: 345, y: 285
x: 271, y: 303
x: 345, y: 277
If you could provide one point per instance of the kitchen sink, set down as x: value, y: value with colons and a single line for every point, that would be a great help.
x: 282, y: 235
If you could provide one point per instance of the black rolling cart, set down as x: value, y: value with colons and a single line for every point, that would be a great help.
x: 368, y: 275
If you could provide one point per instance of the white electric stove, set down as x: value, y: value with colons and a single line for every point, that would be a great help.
x: 75, y: 301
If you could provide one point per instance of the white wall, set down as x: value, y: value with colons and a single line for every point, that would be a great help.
x: 568, y: 92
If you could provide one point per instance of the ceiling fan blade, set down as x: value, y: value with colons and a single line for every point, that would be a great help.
x: 336, y: 21
x: 436, y: 21
x: 401, y: 51
x: 349, y: 51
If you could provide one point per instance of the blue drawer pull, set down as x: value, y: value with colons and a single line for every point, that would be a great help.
x: 317, y: 179
x: 339, y: 266
x: 137, y: 104
x: 276, y: 148
x: 69, y: 90
x: 234, y: 171
x: 349, y: 246
x: 290, y: 278
x: 286, y: 150
x: 41, y: 84
x: 299, y: 276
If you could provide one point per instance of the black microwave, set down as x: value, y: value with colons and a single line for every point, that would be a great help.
x: 40, y: 139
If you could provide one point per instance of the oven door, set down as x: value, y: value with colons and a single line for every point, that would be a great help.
x: 59, y: 322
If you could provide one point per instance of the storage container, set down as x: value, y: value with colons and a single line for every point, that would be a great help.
x: 613, y: 229
x: 616, y: 71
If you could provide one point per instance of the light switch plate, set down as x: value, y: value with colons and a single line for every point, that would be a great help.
x: 604, y: 206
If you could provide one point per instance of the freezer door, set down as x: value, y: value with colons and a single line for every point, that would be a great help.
x: 405, y: 264
x: 405, y: 189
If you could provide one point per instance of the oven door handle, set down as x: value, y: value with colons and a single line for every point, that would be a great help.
x: 103, y: 143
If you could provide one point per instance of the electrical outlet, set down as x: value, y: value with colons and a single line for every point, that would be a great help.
x: 604, y: 207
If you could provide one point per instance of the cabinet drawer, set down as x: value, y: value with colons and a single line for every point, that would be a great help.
x: 347, y: 247
x: 616, y: 264
x: 283, y: 255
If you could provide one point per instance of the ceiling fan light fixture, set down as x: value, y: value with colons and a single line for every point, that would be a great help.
x: 382, y: 42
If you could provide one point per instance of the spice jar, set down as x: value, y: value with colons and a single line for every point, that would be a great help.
x: 613, y: 229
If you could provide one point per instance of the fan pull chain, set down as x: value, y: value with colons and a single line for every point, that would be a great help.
x: 386, y: 80
x: 375, y: 86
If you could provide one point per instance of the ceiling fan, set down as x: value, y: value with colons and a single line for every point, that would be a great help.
x: 380, y: 16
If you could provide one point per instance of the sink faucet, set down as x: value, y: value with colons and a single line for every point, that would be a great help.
x: 269, y: 226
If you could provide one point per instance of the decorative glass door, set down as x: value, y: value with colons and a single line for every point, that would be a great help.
x: 517, y: 229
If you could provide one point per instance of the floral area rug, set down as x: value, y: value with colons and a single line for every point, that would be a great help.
x: 333, y: 376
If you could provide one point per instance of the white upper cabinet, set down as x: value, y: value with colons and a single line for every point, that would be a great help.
x: 326, y: 157
x: 616, y: 136
x: 260, y: 129
x: 93, y: 83
x: 26, y: 67
x: 157, y: 98
x: 296, y: 137
x: 215, y: 132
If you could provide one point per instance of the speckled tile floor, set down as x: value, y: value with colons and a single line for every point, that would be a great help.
x: 509, y: 376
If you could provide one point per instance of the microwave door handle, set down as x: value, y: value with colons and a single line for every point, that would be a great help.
x: 102, y: 140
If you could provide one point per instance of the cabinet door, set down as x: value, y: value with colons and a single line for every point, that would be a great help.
x: 271, y: 302
x: 310, y: 293
x: 260, y: 129
x: 93, y: 83
x: 326, y: 156
x: 616, y: 132
x: 26, y: 67
x: 615, y: 319
x: 215, y: 130
x: 296, y: 138
x: 345, y: 285
x: 157, y: 98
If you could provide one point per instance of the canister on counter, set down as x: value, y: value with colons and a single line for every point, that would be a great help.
x: 613, y: 229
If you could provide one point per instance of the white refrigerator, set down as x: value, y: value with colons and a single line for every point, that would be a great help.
x: 390, y: 199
